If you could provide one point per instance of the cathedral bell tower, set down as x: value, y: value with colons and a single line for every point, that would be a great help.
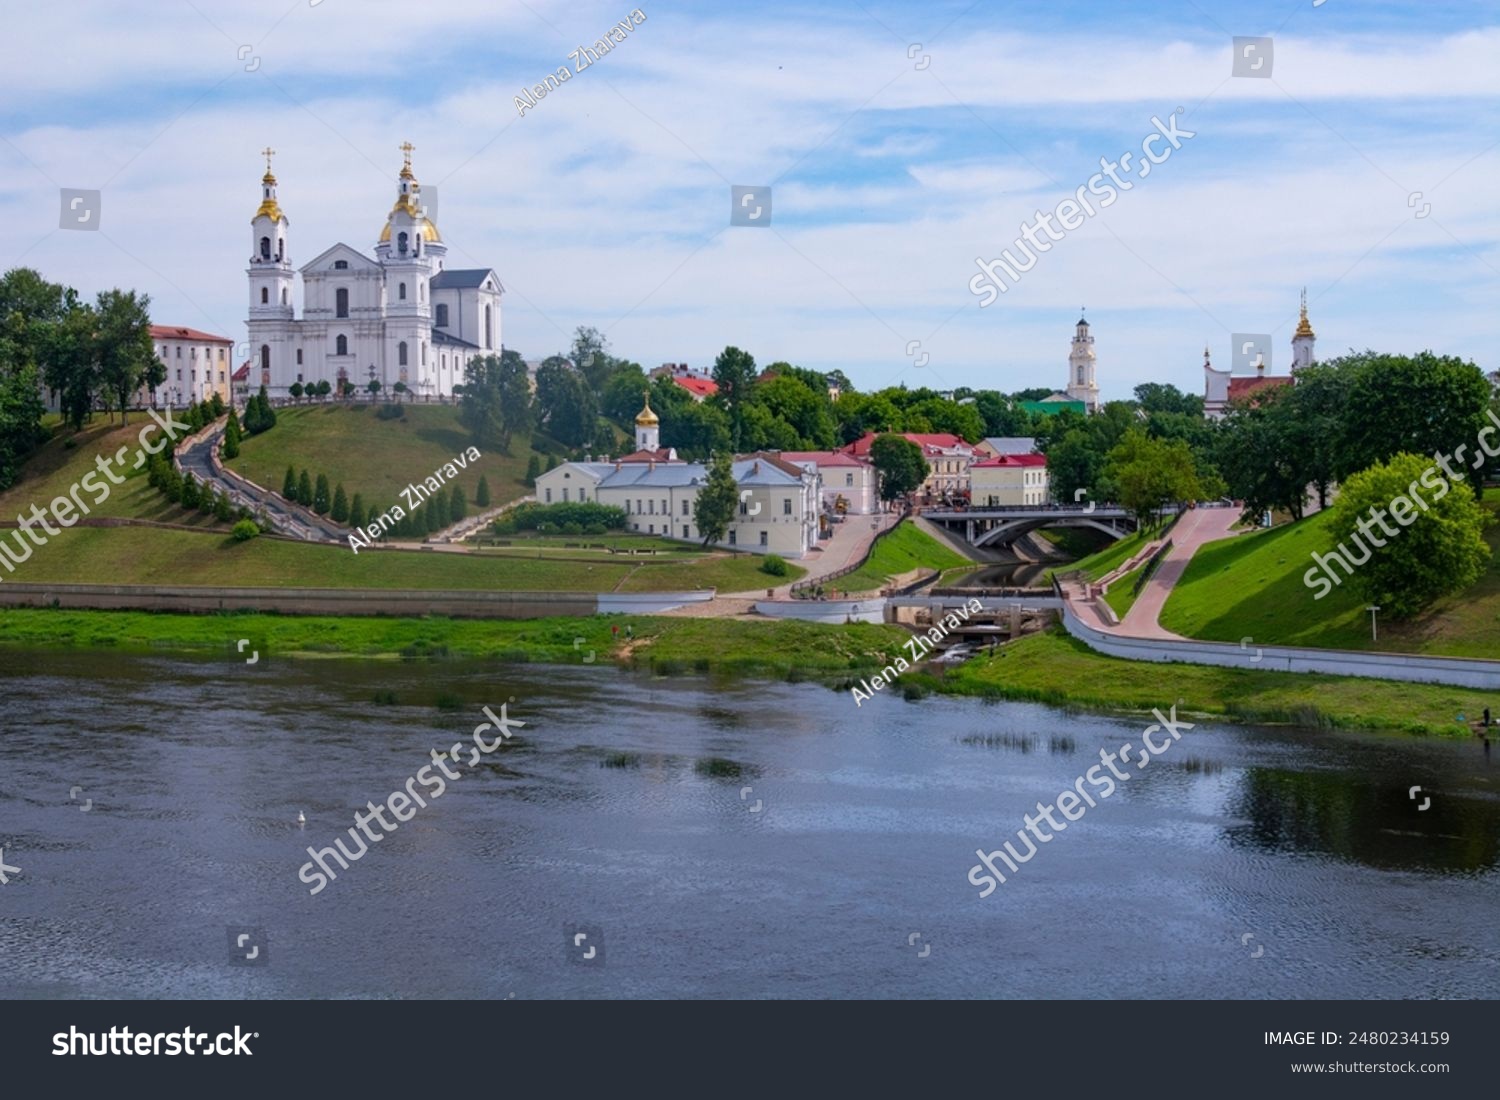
x: 271, y: 278
x: 411, y: 252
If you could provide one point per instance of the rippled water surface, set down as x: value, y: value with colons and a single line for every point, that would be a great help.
x: 1242, y: 862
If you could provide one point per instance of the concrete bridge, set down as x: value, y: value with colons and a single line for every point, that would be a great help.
x: 1003, y: 524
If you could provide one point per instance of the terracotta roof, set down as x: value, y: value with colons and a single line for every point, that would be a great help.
x: 243, y: 373
x: 703, y: 387
x: 1243, y: 386
x: 930, y: 442
x: 1014, y: 460
x: 777, y: 462
x: 176, y: 332
x: 822, y: 458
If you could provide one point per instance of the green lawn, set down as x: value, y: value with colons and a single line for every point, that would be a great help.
x: 1121, y: 595
x: 143, y: 555
x: 775, y: 647
x: 725, y: 572
x: 904, y: 549
x: 377, y: 458
x: 1116, y: 554
x: 1252, y: 586
x: 57, y: 467
x: 1052, y: 667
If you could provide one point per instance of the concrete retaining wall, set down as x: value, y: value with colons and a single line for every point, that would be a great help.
x: 342, y: 601
x: 825, y: 611
x: 1463, y: 672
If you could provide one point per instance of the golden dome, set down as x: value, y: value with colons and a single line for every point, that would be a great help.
x: 270, y: 210
x: 646, y: 418
x: 1303, y: 328
x: 429, y: 231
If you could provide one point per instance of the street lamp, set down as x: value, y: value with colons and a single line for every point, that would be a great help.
x: 1372, y: 608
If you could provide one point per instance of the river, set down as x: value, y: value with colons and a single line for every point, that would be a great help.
x: 1244, y: 862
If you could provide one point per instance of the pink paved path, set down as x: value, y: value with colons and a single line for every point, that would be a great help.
x: 1198, y: 526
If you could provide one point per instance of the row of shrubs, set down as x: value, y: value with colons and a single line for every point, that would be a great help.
x: 440, y: 510
x: 192, y: 496
x: 565, y: 518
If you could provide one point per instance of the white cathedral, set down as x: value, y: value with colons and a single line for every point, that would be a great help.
x: 400, y: 317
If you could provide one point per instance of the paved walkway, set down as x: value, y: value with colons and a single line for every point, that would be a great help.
x: 1198, y: 526
x: 849, y: 543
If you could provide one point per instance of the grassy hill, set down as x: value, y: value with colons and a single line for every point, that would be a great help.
x: 376, y: 458
x: 64, y: 459
x: 906, y: 548
x: 1251, y: 586
x: 147, y: 555
x: 1115, y: 554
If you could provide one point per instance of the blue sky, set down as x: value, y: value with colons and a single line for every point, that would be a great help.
x: 608, y: 203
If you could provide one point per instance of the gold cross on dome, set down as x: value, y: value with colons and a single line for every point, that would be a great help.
x: 268, y: 153
x: 406, y: 147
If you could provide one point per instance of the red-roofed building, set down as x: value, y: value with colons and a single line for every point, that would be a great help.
x: 698, y: 387
x: 197, y: 366
x: 849, y: 485
x: 948, y: 460
x: 1009, y: 480
x: 696, y: 382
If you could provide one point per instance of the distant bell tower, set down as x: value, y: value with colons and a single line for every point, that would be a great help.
x: 271, y: 278
x: 1081, y: 383
x: 647, y: 428
x: 1303, y: 340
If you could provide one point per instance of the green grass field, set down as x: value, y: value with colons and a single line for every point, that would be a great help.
x: 780, y: 648
x: 57, y: 467
x: 377, y: 458
x: 145, y: 555
x: 1251, y: 586
x: 1115, y: 554
x: 1121, y: 595
x: 904, y: 549
x: 1052, y: 667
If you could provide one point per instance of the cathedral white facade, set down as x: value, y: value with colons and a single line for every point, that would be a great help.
x: 402, y: 316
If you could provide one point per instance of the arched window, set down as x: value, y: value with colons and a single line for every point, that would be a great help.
x: 401, y: 291
x: 341, y: 346
x: 489, y: 327
x: 401, y: 242
x: 265, y: 248
x: 265, y: 295
x: 442, y: 315
x: 281, y: 248
x: 424, y: 353
x: 283, y: 295
x: 265, y: 357
x: 401, y: 353
x: 341, y: 302
x: 421, y: 291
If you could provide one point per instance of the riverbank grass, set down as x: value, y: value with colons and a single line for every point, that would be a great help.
x: 1052, y: 667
